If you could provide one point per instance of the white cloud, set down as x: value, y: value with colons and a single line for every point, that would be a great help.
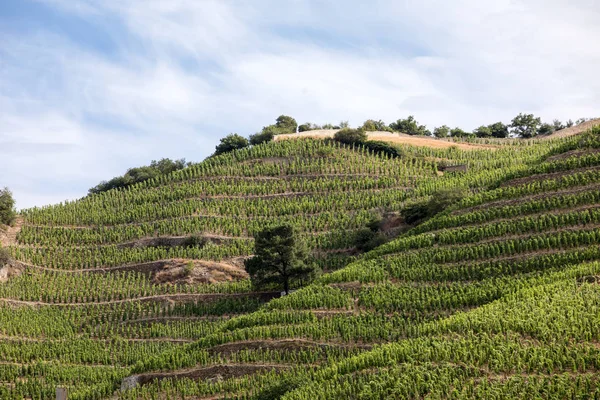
x: 184, y: 73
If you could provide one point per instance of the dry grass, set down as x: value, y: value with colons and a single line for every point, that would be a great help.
x: 398, y: 138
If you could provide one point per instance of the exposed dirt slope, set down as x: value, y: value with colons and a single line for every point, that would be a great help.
x: 399, y: 138
x: 574, y: 130
x: 8, y: 234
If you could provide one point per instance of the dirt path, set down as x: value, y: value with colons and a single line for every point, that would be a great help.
x: 390, y: 137
x: 8, y: 236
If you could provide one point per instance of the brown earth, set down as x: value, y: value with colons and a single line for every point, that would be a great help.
x: 398, y: 138
x: 574, y: 130
x: 8, y: 234
x: 189, y: 272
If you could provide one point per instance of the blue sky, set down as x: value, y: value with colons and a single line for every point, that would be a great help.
x: 89, y: 88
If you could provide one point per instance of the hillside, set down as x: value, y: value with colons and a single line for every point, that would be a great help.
x: 143, y: 290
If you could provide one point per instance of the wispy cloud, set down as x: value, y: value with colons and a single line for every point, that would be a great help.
x: 177, y: 75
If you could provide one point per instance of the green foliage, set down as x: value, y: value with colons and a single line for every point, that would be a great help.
x: 419, y: 212
x: 483, y: 132
x: 263, y: 137
x: 409, y: 126
x: 286, y: 124
x: 308, y: 127
x: 558, y: 125
x: 278, y: 259
x: 350, y: 136
x: 379, y: 147
x: 7, y: 207
x: 525, y: 125
x: 4, y: 257
x: 441, y: 131
x: 499, y: 130
x: 195, y: 241
x: 371, y: 125
x: 457, y: 132
x: 140, y: 174
x: 546, y: 129
x: 231, y: 142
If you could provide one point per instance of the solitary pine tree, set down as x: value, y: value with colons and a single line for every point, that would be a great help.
x: 278, y: 259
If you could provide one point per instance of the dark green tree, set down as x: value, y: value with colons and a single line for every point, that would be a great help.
x: 7, y: 207
x: 140, y: 174
x: 409, y: 126
x: 546, y: 129
x: 439, y: 201
x: 441, y: 131
x: 525, y: 125
x: 498, y: 130
x: 350, y: 136
x: 457, y: 132
x: 231, y: 142
x: 261, y: 137
x: 308, y: 127
x: 557, y: 125
x: 483, y: 132
x: 278, y: 259
x: 371, y: 125
x: 286, y: 124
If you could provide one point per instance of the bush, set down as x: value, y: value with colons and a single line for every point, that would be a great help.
x: 409, y: 126
x: 379, y: 147
x: 231, y: 142
x: 438, y: 202
x: 286, y: 124
x: 263, y: 137
x: 457, y: 132
x: 195, y: 241
x: 7, y: 207
x: 350, y: 136
x: 308, y: 127
x: 4, y: 257
x: 441, y: 131
x: 140, y: 174
x: 371, y: 125
x: 367, y: 240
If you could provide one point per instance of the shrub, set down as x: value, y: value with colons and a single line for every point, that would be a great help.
x: 286, y: 124
x: 350, y: 136
x: 409, y: 126
x: 195, y: 241
x: 7, y: 207
x: 441, y: 131
x: 379, y: 147
x: 438, y: 202
x: 4, y: 257
x: 371, y: 125
x: 231, y: 142
x: 140, y: 174
x: 262, y: 137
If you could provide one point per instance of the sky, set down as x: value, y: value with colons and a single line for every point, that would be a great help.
x: 90, y: 88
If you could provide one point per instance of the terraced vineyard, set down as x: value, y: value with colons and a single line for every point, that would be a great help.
x: 496, y: 297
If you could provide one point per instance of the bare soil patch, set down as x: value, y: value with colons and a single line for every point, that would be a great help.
x: 180, y: 271
x: 8, y: 234
x: 390, y: 137
x: 574, y: 130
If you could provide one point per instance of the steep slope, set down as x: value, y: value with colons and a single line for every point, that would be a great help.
x: 89, y: 312
x: 496, y: 297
